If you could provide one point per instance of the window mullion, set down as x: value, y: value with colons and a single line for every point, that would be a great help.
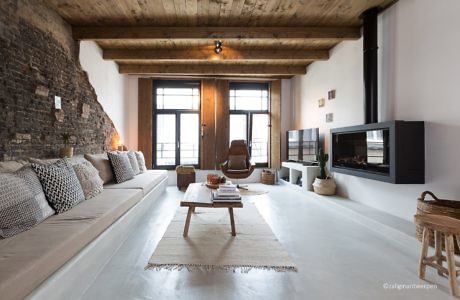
x: 178, y: 138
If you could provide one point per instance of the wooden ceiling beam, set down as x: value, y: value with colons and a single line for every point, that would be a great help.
x: 223, y: 33
x: 209, y: 55
x: 236, y: 70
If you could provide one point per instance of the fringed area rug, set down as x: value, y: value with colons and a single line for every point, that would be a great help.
x: 252, y: 192
x: 210, y: 246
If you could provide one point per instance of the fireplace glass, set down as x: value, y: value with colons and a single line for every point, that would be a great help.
x: 364, y: 150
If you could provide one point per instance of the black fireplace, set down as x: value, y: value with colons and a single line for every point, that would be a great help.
x: 388, y: 151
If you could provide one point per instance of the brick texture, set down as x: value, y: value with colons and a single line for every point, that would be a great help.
x: 35, y: 66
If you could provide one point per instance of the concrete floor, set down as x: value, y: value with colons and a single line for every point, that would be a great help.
x: 340, y: 254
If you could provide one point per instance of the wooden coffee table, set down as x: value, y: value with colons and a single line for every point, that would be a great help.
x: 199, y: 195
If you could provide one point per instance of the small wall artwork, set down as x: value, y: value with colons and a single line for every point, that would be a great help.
x: 321, y: 102
x: 331, y: 94
x: 329, y: 118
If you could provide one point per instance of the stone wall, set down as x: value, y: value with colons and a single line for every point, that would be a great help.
x: 38, y: 61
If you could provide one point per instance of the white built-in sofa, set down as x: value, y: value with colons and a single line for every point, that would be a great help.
x: 60, y: 257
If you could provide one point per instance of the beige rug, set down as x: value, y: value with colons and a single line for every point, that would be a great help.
x: 251, y: 192
x: 210, y: 246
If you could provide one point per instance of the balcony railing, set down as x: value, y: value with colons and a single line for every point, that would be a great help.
x: 166, y: 153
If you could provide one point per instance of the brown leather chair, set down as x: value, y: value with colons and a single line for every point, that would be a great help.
x: 236, y: 169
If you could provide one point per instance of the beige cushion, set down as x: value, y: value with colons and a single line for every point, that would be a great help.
x: 30, y: 257
x: 237, y: 162
x: 141, y: 161
x: 73, y: 160
x: 89, y: 178
x: 12, y: 166
x: 41, y: 161
x: 145, y: 181
x: 133, y: 161
x: 102, y: 164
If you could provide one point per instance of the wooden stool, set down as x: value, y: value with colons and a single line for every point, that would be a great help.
x: 450, y: 228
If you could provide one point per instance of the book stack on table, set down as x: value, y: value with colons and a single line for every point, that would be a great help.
x: 226, y: 193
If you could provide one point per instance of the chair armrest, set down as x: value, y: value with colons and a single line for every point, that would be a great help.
x: 251, y: 166
x: 224, y: 166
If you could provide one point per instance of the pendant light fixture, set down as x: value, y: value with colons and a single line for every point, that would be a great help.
x: 218, y: 48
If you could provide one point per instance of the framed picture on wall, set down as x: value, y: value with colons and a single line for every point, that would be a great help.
x: 321, y: 102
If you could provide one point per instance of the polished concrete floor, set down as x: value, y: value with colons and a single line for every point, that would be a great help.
x: 340, y: 254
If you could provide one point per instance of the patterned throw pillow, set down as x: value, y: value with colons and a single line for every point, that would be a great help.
x: 141, y: 161
x: 22, y: 202
x: 133, y: 161
x: 60, y: 183
x: 89, y: 178
x: 121, y: 166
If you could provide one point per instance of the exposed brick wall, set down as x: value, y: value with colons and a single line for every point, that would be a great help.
x: 38, y: 60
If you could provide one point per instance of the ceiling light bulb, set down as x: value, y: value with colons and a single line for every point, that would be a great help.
x: 218, y: 45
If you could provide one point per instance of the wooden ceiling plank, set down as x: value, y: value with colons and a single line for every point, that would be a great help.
x: 208, y: 54
x: 170, y: 11
x: 237, y: 7
x: 264, y: 9
x: 203, y: 12
x: 222, y: 63
x: 214, y: 10
x: 181, y: 17
x: 242, y: 12
x: 225, y: 10
x: 191, y: 9
x: 147, y: 32
x: 213, y: 69
x: 245, y: 16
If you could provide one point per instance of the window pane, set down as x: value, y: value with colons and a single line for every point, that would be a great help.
x: 244, y: 99
x: 177, y: 98
x: 166, y: 140
x: 189, y: 139
x: 238, y: 127
x: 260, y: 134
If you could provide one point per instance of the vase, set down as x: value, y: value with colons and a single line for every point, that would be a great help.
x: 66, y: 152
x: 324, y: 186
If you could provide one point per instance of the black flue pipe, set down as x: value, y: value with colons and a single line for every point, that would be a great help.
x: 370, y: 50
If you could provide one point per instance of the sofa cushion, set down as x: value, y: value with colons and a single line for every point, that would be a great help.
x: 145, y: 181
x: 22, y: 202
x: 133, y: 161
x: 102, y: 164
x: 29, y: 258
x: 89, y: 178
x: 46, y: 161
x: 141, y: 161
x: 121, y: 166
x: 60, y: 184
x: 12, y: 165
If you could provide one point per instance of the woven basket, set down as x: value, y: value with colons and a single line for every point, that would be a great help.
x: 439, y: 207
x: 268, y: 177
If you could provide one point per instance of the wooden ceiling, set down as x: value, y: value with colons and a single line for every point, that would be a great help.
x: 261, y: 38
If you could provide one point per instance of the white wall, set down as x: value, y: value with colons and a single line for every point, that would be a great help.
x: 117, y: 93
x: 286, y: 114
x: 131, y: 114
x: 420, y: 62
